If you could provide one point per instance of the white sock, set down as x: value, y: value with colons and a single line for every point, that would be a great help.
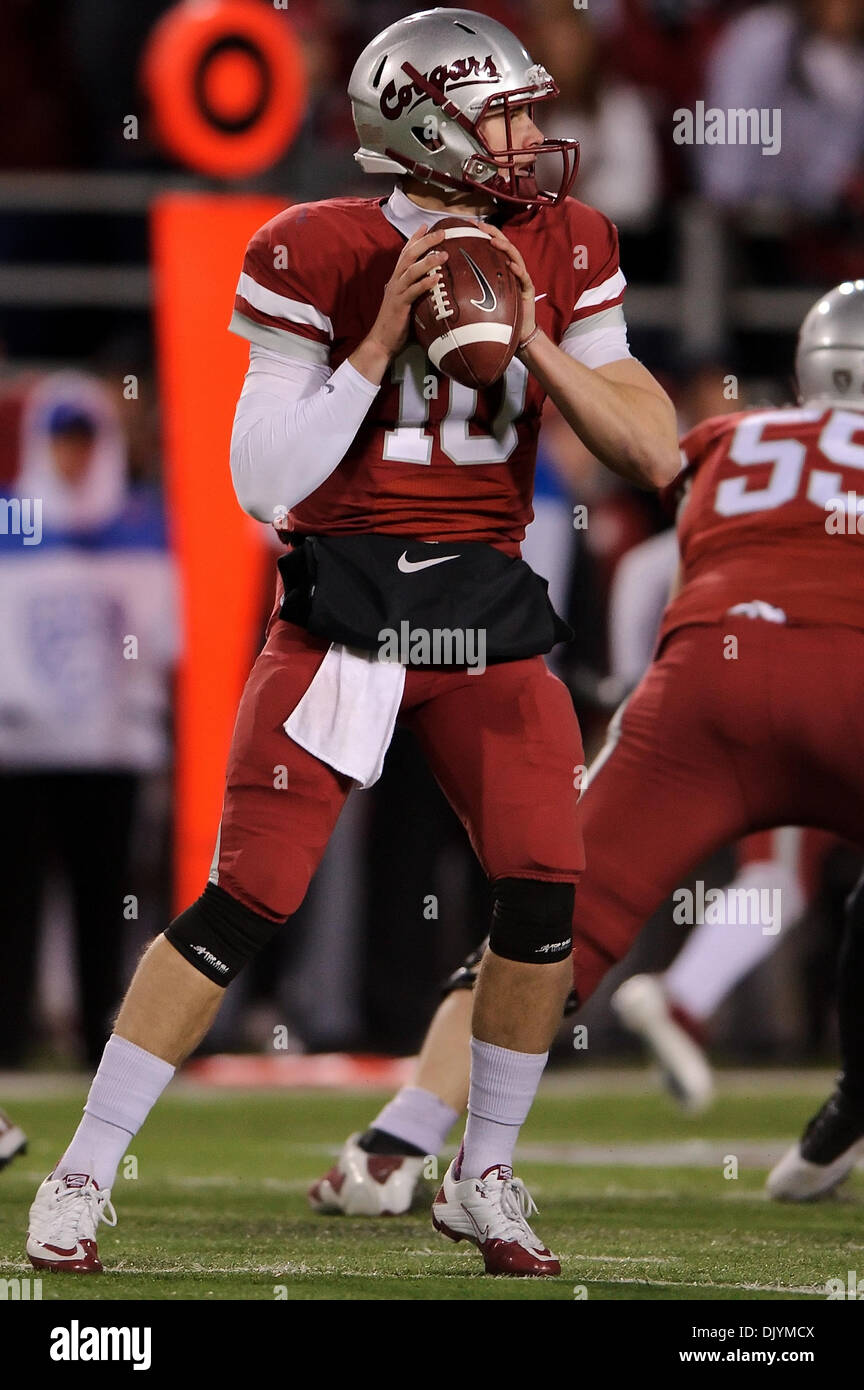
x: 716, y: 955
x: 126, y: 1086
x: 503, y: 1086
x: 417, y: 1117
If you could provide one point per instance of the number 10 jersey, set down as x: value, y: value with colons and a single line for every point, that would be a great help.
x: 433, y: 459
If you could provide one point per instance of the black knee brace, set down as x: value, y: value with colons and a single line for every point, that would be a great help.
x: 466, y: 978
x: 218, y: 935
x: 532, y: 921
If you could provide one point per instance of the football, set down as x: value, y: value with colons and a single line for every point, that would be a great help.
x: 470, y: 322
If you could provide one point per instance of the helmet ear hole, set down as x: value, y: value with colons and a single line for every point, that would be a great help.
x: 427, y: 136
x: 378, y: 71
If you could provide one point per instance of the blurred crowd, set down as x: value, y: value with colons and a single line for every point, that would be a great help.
x: 70, y: 75
x: 89, y: 627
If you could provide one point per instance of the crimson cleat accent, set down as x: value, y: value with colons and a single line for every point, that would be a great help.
x: 693, y: 1027
x: 87, y: 1263
x: 505, y: 1257
x: 364, y: 1184
x: 64, y: 1218
x: 335, y: 1178
x: 473, y: 1209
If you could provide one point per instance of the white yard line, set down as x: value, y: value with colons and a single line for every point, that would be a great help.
x: 685, y: 1153
x: 282, y: 1272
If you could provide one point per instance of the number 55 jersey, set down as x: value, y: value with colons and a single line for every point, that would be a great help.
x: 433, y: 459
x: 772, y: 519
x: 750, y: 717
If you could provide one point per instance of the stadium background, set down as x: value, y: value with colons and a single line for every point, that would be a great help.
x: 724, y: 249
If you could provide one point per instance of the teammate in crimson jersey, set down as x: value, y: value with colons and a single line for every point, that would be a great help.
x: 336, y: 433
x: 670, y: 1011
x: 749, y: 718
x: 777, y: 470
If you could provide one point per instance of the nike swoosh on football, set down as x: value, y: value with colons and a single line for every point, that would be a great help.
x: 409, y: 566
x: 488, y: 303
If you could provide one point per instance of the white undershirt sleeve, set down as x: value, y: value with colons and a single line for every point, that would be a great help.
x: 599, y: 339
x: 294, y: 423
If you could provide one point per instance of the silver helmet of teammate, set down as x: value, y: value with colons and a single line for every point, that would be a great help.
x: 829, y: 362
x: 420, y: 90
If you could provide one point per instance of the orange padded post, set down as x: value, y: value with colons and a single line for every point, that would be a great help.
x: 198, y: 242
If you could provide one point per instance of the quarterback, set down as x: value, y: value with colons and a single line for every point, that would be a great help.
x: 749, y: 718
x: 396, y: 497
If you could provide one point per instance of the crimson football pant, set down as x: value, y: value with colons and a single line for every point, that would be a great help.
x: 503, y: 745
x: 720, y: 739
x: 804, y: 852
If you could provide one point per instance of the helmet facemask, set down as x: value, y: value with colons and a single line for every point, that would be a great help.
x: 495, y: 172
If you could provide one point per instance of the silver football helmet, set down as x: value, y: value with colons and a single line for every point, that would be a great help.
x: 829, y: 362
x: 420, y: 90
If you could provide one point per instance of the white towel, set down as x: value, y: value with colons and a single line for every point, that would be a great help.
x: 348, y: 714
x: 758, y: 608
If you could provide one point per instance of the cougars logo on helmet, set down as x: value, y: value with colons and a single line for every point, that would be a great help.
x: 448, y: 78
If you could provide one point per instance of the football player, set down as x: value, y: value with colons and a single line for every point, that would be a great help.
x: 669, y: 1012
x: 833, y: 1140
x: 371, y: 460
x: 13, y: 1140
x: 749, y: 718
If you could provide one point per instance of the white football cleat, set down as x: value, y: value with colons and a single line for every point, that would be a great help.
x: 642, y: 1006
x: 13, y: 1140
x: 825, y: 1155
x: 492, y: 1212
x: 63, y: 1220
x: 364, y: 1184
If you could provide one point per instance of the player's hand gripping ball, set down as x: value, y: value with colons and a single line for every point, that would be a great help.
x: 470, y: 322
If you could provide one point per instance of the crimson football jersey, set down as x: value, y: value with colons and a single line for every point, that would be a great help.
x: 433, y: 459
x: 770, y: 518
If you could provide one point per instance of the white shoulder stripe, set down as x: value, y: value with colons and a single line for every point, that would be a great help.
x: 279, y: 306
x: 604, y: 318
x: 610, y: 289
x: 280, y: 340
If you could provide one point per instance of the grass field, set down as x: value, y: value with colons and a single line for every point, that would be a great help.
x: 632, y: 1197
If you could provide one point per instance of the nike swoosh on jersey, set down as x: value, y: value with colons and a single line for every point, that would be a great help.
x: 488, y: 303
x: 409, y: 566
